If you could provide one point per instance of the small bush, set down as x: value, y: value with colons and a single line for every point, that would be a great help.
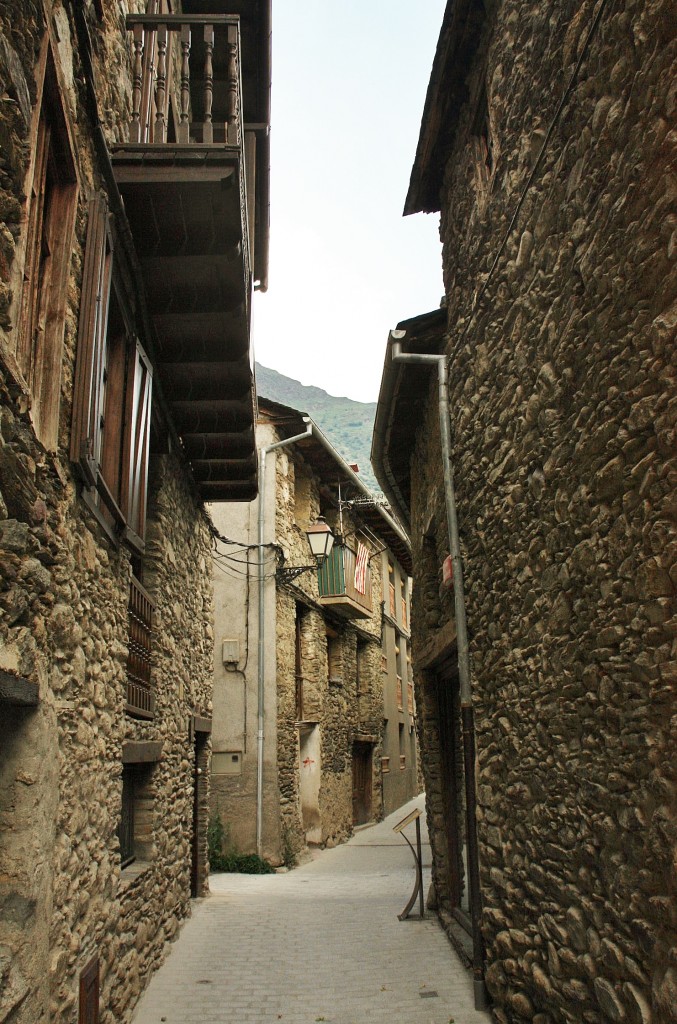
x: 224, y: 857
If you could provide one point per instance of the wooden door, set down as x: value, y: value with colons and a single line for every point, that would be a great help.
x: 362, y: 777
x: 453, y: 789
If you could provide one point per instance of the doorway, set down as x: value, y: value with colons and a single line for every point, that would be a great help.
x: 453, y: 791
x: 362, y: 782
x: 198, y: 866
x: 310, y: 776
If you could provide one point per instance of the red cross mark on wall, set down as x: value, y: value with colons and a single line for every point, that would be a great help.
x: 307, y: 762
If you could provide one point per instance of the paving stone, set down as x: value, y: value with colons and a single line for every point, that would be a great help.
x: 319, y: 943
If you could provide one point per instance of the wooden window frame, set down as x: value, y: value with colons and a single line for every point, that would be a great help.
x: 138, y: 793
x: 112, y: 394
x: 52, y: 188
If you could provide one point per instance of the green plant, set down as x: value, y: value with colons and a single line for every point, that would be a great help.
x: 224, y: 857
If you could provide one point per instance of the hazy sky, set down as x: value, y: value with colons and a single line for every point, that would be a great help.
x: 349, y: 83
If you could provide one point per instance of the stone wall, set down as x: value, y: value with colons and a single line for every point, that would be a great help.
x: 563, y: 419
x: 307, y: 761
x: 64, y: 591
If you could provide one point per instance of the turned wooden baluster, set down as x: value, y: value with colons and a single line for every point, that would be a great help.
x: 208, y: 128
x: 232, y: 97
x: 137, y: 83
x: 185, y: 83
x: 160, y: 133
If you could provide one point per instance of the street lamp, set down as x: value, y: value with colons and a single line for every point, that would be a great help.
x: 321, y: 541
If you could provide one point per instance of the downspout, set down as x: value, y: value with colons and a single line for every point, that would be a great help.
x: 467, y: 711
x: 263, y: 452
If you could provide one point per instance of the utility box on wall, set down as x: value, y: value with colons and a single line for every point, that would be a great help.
x: 227, y: 762
x: 230, y: 652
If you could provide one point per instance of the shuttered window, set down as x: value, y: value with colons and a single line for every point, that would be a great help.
x: 51, y: 205
x: 110, y: 435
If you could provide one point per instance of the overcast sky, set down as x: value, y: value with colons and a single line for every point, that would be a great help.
x: 349, y: 83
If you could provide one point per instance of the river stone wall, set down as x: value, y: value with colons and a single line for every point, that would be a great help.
x: 563, y: 416
x: 341, y: 714
x: 64, y: 591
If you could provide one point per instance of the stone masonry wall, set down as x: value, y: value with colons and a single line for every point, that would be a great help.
x: 341, y: 713
x: 563, y: 419
x: 63, y: 623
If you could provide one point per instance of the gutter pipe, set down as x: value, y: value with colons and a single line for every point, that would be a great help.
x: 467, y: 711
x: 263, y: 452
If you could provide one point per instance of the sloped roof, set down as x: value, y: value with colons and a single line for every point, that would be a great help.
x: 400, y: 409
x: 447, y: 92
x: 331, y: 469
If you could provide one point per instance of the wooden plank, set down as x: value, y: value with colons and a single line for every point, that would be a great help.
x: 175, y: 21
x: 18, y: 691
x: 412, y: 816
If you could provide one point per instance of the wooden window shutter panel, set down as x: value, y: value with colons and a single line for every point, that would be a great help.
x: 88, y: 383
x: 88, y: 1010
x: 137, y: 441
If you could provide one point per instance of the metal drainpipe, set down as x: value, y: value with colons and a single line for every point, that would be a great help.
x: 467, y: 711
x: 262, y: 625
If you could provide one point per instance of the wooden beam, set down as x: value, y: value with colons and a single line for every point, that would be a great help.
x: 141, y: 751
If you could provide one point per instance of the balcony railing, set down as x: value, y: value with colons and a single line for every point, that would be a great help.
x: 186, y: 81
x: 187, y: 175
x: 336, y: 583
x: 140, y: 697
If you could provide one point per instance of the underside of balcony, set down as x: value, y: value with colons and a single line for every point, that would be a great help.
x: 185, y: 207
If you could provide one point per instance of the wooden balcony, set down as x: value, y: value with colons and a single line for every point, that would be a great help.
x: 186, y: 175
x: 336, y: 583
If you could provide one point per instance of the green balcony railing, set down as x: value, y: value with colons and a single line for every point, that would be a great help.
x: 336, y: 578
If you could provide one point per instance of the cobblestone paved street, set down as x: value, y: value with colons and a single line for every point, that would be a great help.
x: 319, y: 943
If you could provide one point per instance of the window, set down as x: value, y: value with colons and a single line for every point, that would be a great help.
x: 391, y: 590
x: 140, y: 696
x: 334, y: 658
x: 361, y: 675
x: 403, y: 603
x: 135, y: 830
x: 52, y: 199
x: 403, y: 756
x: 112, y: 392
x: 399, y: 694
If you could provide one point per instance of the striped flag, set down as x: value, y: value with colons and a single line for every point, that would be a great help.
x: 361, y: 563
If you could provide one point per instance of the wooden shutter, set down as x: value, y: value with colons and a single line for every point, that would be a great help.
x: 88, y: 387
x: 137, y: 441
x: 88, y: 1012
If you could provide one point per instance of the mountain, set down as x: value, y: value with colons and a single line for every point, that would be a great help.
x: 347, y: 424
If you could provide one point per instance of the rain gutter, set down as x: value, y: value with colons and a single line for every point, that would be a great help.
x: 467, y: 710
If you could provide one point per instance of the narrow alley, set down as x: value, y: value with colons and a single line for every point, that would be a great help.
x: 320, y: 943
